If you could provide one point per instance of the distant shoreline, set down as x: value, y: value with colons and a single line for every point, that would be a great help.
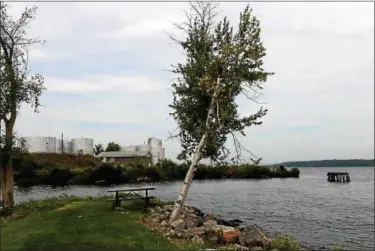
x: 330, y: 163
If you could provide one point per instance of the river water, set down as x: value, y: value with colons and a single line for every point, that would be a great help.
x: 316, y: 212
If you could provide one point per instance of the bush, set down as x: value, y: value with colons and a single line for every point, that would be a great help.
x: 32, y: 173
x: 284, y: 242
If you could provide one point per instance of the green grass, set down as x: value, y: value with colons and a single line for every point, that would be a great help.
x: 71, y: 223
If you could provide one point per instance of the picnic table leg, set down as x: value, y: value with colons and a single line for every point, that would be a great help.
x: 147, y: 202
x: 117, y: 200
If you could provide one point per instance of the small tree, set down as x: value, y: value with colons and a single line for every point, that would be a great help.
x: 17, y: 86
x: 98, y: 149
x: 221, y: 63
x: 113, y: 147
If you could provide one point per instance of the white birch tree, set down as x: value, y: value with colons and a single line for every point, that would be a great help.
x: 222, y: 63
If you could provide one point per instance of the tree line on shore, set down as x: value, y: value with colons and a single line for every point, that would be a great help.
x: 29, y: 172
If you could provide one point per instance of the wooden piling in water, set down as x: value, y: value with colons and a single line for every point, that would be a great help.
x: 338, y: 177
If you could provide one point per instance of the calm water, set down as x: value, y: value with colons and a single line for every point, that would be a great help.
x: 316, y: 212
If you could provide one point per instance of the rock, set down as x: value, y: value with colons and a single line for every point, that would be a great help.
x: 200, y: 231
x: 163, y: 223
x: 239, y: 247
x: 197, y: 211
x: 208, y: 217
x: 230, y: 223
x: 253, y: 235
x: 169, y: 208
x: 197, y: 240
x: 256, y: 248
x: 171, y: 233
x: 156, y: 220
x: 119, y: 209
x: 158, y: 209
x: 213, y: 239
x: 231, y: 236
x: 192, y: 221
x: 178, y: 224
x: 210, y: 223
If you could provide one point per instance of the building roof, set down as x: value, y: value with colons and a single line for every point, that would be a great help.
x: 127, y: 154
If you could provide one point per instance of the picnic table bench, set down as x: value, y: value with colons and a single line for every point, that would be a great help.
x: 130, y: 194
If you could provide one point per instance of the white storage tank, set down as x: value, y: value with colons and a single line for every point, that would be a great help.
x: 59, y: 145
x: 162, y: 154
x: 143, y: 148
x: 40, y: 144
x: 67, y: 146
x: 84, y: 144
x: 128, y: 149
x: 154, y: 141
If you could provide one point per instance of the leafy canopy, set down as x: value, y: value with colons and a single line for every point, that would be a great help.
x: 221, y: 63
x: 113, y: 147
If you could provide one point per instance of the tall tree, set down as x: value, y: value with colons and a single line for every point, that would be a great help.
x: 221, y: 63
x: 98, y: 149
x: 113, y: 147
x: 17, y: 86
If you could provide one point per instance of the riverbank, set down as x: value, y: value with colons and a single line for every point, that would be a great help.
x: 73, y: 223
x: 49, y: 169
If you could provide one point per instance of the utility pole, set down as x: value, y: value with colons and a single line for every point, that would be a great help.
x: 62, y: 143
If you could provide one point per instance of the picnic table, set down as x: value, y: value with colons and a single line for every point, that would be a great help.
x: 130, y: 194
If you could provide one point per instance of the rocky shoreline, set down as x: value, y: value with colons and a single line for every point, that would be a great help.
x: 202, y: 228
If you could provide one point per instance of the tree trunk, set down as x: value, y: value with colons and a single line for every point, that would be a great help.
x: 196, y: 158
x: 188, y: 179
x: 7, y: 179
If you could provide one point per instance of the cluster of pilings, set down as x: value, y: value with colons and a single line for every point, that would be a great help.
x: 338, y: 177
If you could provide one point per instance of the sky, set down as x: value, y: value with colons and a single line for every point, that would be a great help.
x: 106, y: 72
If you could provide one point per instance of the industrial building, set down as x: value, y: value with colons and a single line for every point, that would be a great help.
x: 54, y: 145
x: 150, y: 153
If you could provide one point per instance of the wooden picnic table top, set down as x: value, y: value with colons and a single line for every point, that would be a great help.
x: 131, y: 190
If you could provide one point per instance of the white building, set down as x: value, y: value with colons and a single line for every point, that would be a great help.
x: 153, y: 148
x: 55, y: 145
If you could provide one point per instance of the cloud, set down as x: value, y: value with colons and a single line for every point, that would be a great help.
x: 105, y: 68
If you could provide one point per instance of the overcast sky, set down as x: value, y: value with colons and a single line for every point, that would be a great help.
x: 105, y: 69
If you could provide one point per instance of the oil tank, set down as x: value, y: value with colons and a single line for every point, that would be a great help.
x: 84, y: 144
x: 40, y: 144
x: 128, y: 149
x: 153, y: 141
x: 143, y: 148
x: 67, y: 146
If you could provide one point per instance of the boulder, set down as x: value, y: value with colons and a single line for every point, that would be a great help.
x: 231, y: 236
x: 156, y: 219
x: 241, y: 248
x: 208, y: 217
x: 253, y: 235
x: 197, y: 211
x: 168, y: 208
x: 230, y: 223
x: 213, y: 239
x: 163, y: 223
x: 210, y: 223
x: 200, y: 231
x: 256, y: 248
x: 197, y: 240
x: 192, y: 221
x: 158, y: 209
x: 178, y: 224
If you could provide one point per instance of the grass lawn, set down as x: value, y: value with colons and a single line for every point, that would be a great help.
x: 71, y: 223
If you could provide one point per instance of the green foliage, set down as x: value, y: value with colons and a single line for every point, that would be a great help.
x: 98, y: 149
x: 284, y: 242
x: 112, y: 147
x: 32, y: 173
x: 337, y: 247
x: 222, y: 63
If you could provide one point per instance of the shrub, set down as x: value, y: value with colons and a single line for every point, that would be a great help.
x: 284, y: 242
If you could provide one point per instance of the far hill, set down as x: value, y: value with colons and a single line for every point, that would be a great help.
x: 330, y: 163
